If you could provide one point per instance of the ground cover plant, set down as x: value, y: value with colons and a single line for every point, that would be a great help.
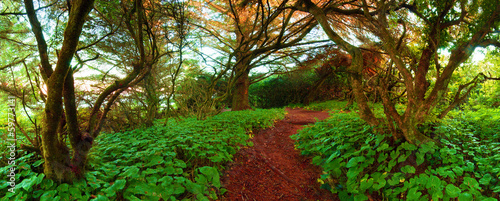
x: 181, y: 160
x: 360, y: 163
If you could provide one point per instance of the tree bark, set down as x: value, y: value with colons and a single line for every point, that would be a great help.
x: 240, y: 94
x: 55, y: 152
x: 152, y: 100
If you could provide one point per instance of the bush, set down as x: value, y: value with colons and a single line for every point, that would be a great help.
x: 360, y: 162
x: 282, y: 90
x: 173, y: 162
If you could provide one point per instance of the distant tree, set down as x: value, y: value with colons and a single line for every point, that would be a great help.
x: 250, y: 33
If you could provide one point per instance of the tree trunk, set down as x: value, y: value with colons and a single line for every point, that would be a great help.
x: 240, y: 94
x: 55, y: 152
x: 152, y: 100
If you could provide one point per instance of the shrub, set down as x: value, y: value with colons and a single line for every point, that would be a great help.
x: 361, y: 163
x: 180, y: 160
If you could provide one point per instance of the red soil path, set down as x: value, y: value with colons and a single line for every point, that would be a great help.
x: 272, y: 169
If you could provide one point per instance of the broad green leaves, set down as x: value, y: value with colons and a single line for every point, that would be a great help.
x: 358, y: 162
x: 169, y: 162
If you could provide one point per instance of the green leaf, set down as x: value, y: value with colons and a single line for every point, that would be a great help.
x: 471, y: 182
x: 131, y: 172
x: 408, y: 146
x: 100, y: 198
x: 380, y: 183
x: 47, y: 184
x: 384, y: 146
x: 408, y: 169
x: 413, y: 194
x: 155, y: 160
x: 49, y: 195
x: 26, y: 184
x: 118, y: 185
x: 38, y: 163
x: 75, y: 192
x: 465, y: 197
x: 360, y: 197
x: 366, y: 184
x: 354, y: 161
x: 486, y: 179
x: 452, y: 190
x: 382, y: 157
x: 62, y: 188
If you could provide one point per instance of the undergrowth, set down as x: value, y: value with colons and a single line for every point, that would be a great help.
x: 180, y: 161
x: 360, y: 164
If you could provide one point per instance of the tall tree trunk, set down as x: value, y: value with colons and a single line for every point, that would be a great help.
x: 55, y: 152
x: 240, y: 93
x: 151, y: 99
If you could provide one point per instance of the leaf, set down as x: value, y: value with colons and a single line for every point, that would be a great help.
x: 471, y: 182
x: 408, y: 169
x: 408, y: 146
x: 381, y: 183
x: 62, y: 188
x: 360, y: 197
x: 75, y: 192
x: 413, y: 194
x: 118, y: 185
x: 354, y: 161
x: 100, y: 198
x: 38, y: 163
x: 155, y: 160
x: 317, y: 160
x: 49, y: 195
x: 131, y: 172
x: 47, y: 184
x: 384, y: 146
x: 26, y: 184
x: 486, y: 179
x: 364, y: 185
x: 465, y: 197
x: 452, y: 190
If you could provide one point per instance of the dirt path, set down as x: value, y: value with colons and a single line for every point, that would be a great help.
x: 272, y: 169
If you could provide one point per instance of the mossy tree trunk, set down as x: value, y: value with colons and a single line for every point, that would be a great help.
x: 58, y: 81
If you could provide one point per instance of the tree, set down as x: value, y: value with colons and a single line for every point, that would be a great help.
x: 250, y: 33
x: 455, y: 26
x: 61, y: 121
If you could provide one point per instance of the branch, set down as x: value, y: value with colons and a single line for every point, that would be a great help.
x: 36, y: 28
x: 14, y: 62
x: 19, y: 13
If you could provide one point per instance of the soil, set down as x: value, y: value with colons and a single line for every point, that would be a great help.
x: 272, y: 169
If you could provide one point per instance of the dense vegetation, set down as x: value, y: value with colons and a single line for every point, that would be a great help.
x: 122, y: 99
x: 181, y: 159
x: 361, y: 162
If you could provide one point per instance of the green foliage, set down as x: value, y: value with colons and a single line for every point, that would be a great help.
x: 359, y: 161
x: 293, y: 88
x: 179, y: 161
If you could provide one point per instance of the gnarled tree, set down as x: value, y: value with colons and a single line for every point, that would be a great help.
x: 457, y: 27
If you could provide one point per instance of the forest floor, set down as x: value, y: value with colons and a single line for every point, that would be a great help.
x: 272, y: 169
